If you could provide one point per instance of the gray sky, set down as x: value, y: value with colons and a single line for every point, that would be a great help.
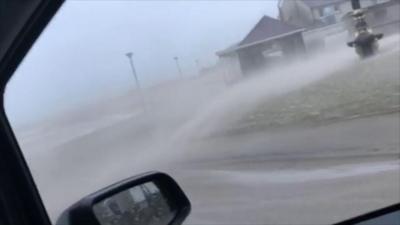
x: 81, y: 53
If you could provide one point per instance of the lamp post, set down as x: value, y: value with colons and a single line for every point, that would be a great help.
x: 178, y: 66
x: 130, y: 57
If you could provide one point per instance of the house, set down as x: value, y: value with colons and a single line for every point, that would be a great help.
x: 326, y: 22
x: 312, y: 14
x: 269, y: 41
x: 382, y: 18
x: 303, y: 26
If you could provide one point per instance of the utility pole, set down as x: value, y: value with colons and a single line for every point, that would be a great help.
x: 129, y: 55
x: 178, y: 66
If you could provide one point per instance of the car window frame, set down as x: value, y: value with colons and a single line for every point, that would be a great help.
x: 20, y: 201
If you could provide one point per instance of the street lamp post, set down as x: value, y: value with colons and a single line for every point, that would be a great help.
x: 129, y: 55
x: 178, y: 66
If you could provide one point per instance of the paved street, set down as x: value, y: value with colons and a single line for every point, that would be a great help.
x: 303, y: 176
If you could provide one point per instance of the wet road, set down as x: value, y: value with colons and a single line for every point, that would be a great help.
x: 305, y: 176
x: 301, y: 175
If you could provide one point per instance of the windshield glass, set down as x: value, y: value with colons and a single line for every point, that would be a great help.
x: 265, y: 112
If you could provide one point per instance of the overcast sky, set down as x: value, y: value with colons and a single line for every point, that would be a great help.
x: 82, y: 51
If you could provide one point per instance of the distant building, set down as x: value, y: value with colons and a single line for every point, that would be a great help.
x: 303, y: 26
x: 269, y: 41
x: 383, y: 17
x: 317, y: 13
x: 324, y: 21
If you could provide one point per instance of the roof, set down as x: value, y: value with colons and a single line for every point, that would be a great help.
x: 268, y: 28
x: 321, y: 3
x: 228, y: 50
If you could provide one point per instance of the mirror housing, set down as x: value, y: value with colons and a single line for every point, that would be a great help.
x: 86, y: 211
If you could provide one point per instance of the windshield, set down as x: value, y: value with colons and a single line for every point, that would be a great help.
x: 265, y: 112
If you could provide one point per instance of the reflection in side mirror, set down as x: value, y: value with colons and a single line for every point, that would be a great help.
x: 150, y: 199
x: 142, y: 204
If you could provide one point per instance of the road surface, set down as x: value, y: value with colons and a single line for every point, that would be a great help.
x: 304, y: 176
x: 301, y: 175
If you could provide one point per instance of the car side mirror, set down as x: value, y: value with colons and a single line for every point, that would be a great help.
x: 152, y: 198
